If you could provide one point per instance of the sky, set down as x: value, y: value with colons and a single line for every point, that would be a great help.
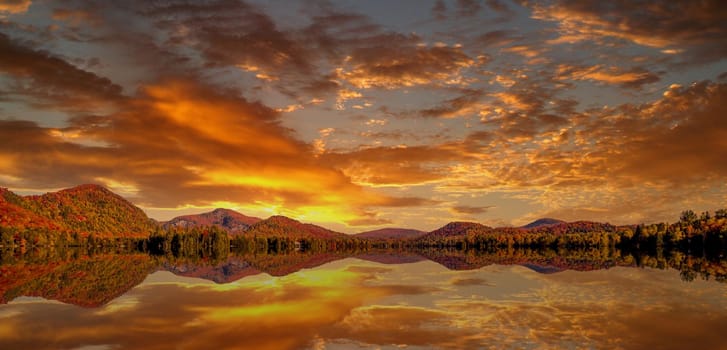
x: 358, y: 115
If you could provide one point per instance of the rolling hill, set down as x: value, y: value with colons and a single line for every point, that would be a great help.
x: 543, y: 222
x: 282, y: 226
x: 390, y: 233
x: 457, y: 228
x: 229, y: 220
x: 88, y: 209
x: 12, y: 214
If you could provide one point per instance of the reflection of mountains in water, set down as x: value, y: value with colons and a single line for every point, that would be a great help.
x: 233, y: 269
x: 545, y: 261
x: 88, y: 281
x: 92, y: 281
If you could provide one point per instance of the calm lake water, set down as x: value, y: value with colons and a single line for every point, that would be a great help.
x: 353, y: 303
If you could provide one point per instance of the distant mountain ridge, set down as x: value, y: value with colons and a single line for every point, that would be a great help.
x: 390, y: 233
x: 93, y: 209
x: 543, y: 222
x: 233, y: 269
x: 229, y: 220
x: 456, y: 228
x: 286, y: 227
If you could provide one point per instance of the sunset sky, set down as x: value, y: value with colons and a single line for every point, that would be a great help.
x: 364, y: 114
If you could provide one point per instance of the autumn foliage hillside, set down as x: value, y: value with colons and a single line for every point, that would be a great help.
x: 457, y: 229
x: 85, y: 209
x: 229, y: 220
x: 281, y: 226
x: 13, y: 215
x: 390, y: 233
x: 88, y: 281
x: 543, y: 222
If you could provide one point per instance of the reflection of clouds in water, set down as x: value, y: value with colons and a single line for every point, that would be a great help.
x: 603, y: 309
x: 353, y: 303
x: 255, y: 315
x: 118, y: 304
x: 382, y: 325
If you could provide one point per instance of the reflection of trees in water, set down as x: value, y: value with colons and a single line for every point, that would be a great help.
x: 94, y: 276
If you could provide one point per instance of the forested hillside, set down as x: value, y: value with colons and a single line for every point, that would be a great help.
x: 70, y: 215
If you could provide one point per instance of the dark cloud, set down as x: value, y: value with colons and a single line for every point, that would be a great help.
x: 497, y: 38
x: 465, y: 209
x: 467, y: 8
x: 232, y: 33
x: 335, y: 32
x: 439, y: 10
x: 321, y: 87
x: 399, y: 61
x: 698, y: 27
x: 498, y: 6
x: 634, y: 78
x: 466, y: 104
x: 47, y: 79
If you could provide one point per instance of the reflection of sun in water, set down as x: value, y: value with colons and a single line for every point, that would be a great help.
x: 306, y: 296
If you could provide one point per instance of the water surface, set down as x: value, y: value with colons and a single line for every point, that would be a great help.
x: 333, y: 302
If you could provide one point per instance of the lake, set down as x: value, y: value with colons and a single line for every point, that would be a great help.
x: 369, y: 300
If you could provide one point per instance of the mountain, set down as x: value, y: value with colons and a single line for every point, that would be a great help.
x: 390, y: 233
x: 543, y: 222
x: 12, y: 214
x: 287, y: 227
x: 573, y: 227
x: 457, y: 228
x: 229, y: 220
x: 85, y: 209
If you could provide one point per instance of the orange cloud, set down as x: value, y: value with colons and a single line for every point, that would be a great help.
x: 467, y: 104
x: 695, y: 26
x: 633, y: 78
x: 51, y: 82
x: 403, y: 63
x: 76, y: 17
x: 14, y: 6
x: 180, y: 143
x: 394, y: 165
x: 523, y: 50
x: 614, y: 162
x: 464, y: 209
